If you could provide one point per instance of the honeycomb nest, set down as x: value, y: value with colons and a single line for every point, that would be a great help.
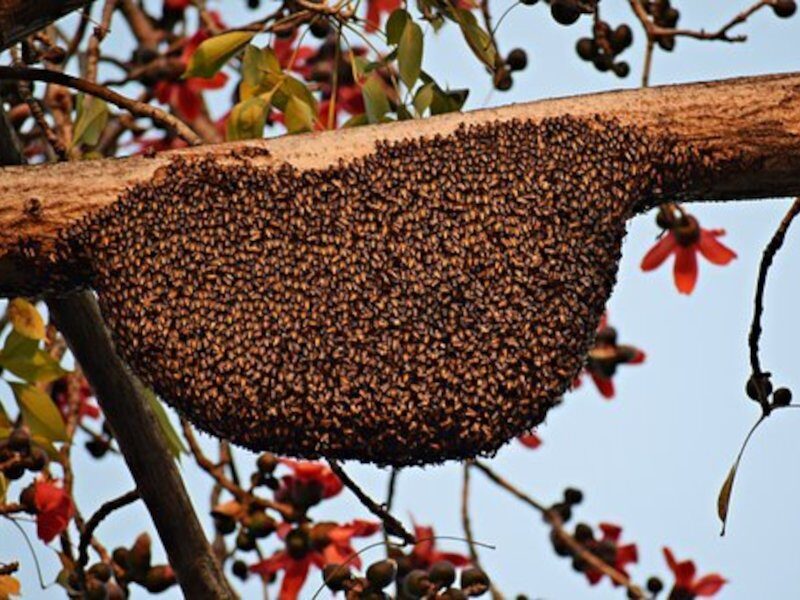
x: 429, y: 301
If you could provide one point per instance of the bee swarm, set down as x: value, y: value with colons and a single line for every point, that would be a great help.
x: 429, y: 301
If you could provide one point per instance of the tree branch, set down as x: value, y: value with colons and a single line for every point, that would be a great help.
x: 19, y: 18
x: 122, y: 398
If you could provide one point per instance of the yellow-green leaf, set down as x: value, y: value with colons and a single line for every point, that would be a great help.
x: 39, y: 367
x: 298, y: 116
x: 255, y: 65
x: 25, y: 319
x: 3, y: 488
x: 174, y: 442
x: 724, y: 499
x: 409, y: 53
x: 375, y: 100
x: 247, y: 119
x: 214, y: 52
x: 39, y: 412
x: 395, y: 25
x: 423, y: 98
x: 478, y: 40
x: 92, y: 119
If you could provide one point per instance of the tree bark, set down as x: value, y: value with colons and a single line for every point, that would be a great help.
x: 19, y: 18
x: 125, y: 405
x: 751, y: 126
x: 122, y: 398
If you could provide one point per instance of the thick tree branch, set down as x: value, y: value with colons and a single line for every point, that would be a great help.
x: 19, y: 18
x: 749, y: 126
x: 140, y: 440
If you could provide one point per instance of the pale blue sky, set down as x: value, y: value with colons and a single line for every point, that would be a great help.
x: 653, y: 459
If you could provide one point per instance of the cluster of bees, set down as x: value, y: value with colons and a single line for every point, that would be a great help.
x: 428, y: 301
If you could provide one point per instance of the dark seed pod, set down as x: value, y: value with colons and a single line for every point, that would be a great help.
x: 603, y: 62
x: 565, y: 12
x: 503, y: 80
x: 382, y: 574
x: 442, y: 574
x: 782, y: 397
x: 416, y: 584
x: 666, y: 42
x: 245, y: 542
x: 784, y: 8
x: 654, y: 585
x: 100, y: 571
x: 240, y: 570
x: 335, y: 576
x: 573, y: 496
x: 474, y: 581
x: 622, y: 69
x: 20, y: 440
x: 586, y: 48
x: 621, y: 38
x: 517, y: 59
x: 583, y: 533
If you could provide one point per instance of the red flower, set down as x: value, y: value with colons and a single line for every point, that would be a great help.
x: 622, y: 555
x: 177, y: 5
x: 425, y: 553
x: 685, y: 238
x: 60, y: 394
x: 54, y: 509
x: 530, y: 440
x: 312, y: 473
x: 323, y: 544
x: 606, y: 356
x: 685, y: 579
x: 186, y: 95
x: 375, y: 11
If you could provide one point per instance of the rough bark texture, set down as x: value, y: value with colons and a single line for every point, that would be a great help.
x: 751, y: 125
x: 139, y: 436
x: 19, y: 18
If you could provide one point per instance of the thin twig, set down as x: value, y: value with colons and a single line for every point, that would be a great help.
x: 97, y: 518
x: 137, y: 108
x: 99, y: 33
x: 9, y: 568
x: 216, y: 471
x: 390, y: 523
x: 766, y: 262
x: 554, y: 520
x: 466, y: 523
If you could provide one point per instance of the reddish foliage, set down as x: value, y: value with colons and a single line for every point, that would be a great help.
x: 686, y: 239
x: 623, y: 554
x: 86, y: 407
x: 686, y: 579
x: 54, y: 509
x: 425, y: 552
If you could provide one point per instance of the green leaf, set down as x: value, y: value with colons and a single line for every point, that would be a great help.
x: 25, y: 319
x: 213, y: 53
x: 91, y: 120
x: 174, y: 442
x: 724, y: 499
x: 356, y: 121
x: 247, y: 119
x: 395, y: 26
x: 409, y: 54
x: 298, y: 116
x: 47, y: 446
x: 256, y: 65
x: 38, y: 368
x: 293, y: 88
x: 447, y: 101
x: 18, y: 346
x: 478, y: 40
x: 39, y: 412
x: 375, y: 100
x: 423, y: 98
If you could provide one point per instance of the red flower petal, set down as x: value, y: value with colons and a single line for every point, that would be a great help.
x: 294, y: 577
x: 54, y: 509
x: 610, y: 531
x: 684, y: 571
x: 714, y: 251
x: 627, y: 554
x: 656, y: 256
x: 685, y: 270
x: 708, y: 585
x: 604, y: 385
x: 530, y: 440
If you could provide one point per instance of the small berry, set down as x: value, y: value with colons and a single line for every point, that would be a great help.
x: 335, y: 576
x: 758, y: 387
x: 517, y: 59
x: 320, y: 28
x: 528, y: 2
x: 586, y: 48
x: 240, y: 569
x: 503, y: 80
x: 622, y: 69
x: 97, y: 447
x: 621, y: 38
x: 559, y: 545
x: 20, y: 440
x: 782, y: 397
x: 654, y: 585
x: 100, y: 571
x: 784, y: 8
x: 573, y: 496
x: 381, y: 574
x: 297, y: 543
x: 442, y: 573
x: 452, y: 594
x: 583, y: 533
x: 416, y: 583
x: 603, y: 62
x: 565, y: 12
x: 266, y: 463
x: 224, y: 524
x: 474, y: 581
x: 670, y: 17
x: 245, y: 542
x: 667, y: 42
